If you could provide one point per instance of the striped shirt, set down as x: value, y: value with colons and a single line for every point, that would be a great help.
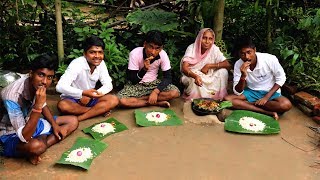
x: 17, y: 101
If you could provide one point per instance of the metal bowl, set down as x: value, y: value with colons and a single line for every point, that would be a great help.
x: 7, y: 77
x: 201, y: 112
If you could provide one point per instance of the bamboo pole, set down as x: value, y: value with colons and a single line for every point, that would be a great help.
x: 59, y: 30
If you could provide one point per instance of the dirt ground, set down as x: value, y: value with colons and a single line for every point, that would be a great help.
x: 189, y: 151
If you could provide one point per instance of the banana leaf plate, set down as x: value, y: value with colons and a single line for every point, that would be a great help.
x: 82, y: 153
x: 166, y: 117
x: 103, y: 129
x: 242, y: 121
x: 200, y: 111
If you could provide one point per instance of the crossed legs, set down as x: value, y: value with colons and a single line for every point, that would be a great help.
x: 163, y: 98
x: 104, y: 105
x: 37, y: 146
x: 271, y: 108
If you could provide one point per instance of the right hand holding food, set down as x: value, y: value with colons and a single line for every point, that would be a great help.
x: 147, y: 62
x: 92, y: 93
x: 244, y: 68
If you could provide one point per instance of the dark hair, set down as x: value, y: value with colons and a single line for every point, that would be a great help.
x: 92, y: 41
x: 44, y: 61
x: 244, y: 42
x: 155, y: 37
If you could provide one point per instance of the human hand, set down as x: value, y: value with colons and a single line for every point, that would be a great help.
x: 198, y: 80
x: 244, y: 68
x: 153, y: 98
x: 146, y: 62
x: 92, y: 93
x: 262, y: 101
x: 205, y: 69
x: 84, y: 100
x: 41, y: 98
x: 59, y: 132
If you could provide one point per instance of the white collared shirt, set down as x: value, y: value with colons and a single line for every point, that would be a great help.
x: 267, y: 72
x: 77, y: 78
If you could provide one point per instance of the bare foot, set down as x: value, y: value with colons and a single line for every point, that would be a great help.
x: 275, y: 116
x: 107, y: 114
x: 163, y: 104
x: 35, y: 160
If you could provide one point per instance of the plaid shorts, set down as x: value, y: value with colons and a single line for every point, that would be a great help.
x: 142, y: 89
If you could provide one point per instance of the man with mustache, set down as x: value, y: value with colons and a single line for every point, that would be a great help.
x: 144, y: 88
x: 23, y: 132
x: 257, y: 81
x: 77, y: 85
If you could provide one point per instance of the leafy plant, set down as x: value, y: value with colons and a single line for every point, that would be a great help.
x: 154, y: 19
x: 300, y: 54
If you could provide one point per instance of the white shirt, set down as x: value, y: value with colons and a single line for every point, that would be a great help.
x: 77, y: 78
x: 267, y: 72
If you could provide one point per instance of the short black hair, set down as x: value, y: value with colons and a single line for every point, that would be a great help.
x: 92, y: 41
x: 155, y: 37
x: 244, y: 41
x: 44, y: 61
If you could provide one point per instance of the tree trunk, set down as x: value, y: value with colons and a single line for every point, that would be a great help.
x: 218, y: 19
x: 269, y: 18
x: 59, y: 30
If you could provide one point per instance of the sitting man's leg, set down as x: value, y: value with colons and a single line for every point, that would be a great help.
x: 72, y: 106
x: 280, y: 105
x: 32, y: 150
x: 103, y: 105
x: 240, y: 102
x: 94, y: 108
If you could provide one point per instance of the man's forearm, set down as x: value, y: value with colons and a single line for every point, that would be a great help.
x: 241, y: 84
x: 48, y: 115
x: 272, y: 90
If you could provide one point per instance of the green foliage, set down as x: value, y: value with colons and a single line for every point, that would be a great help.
x: 300, y: 55
x: 201, y: 12
x: 154, y: 19
x: 27, y: 30
x: 223, y: 48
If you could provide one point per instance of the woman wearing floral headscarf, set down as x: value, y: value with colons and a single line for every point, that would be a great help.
x: 204, y: 68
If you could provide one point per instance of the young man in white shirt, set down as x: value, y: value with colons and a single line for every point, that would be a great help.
x: 257, y: 81
x: 79, y: 80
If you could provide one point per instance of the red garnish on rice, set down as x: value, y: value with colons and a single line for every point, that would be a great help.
x: 79, y: 153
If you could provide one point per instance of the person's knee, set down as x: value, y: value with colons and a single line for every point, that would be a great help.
x: 228, y: 98
x: 285, y: 106
x: 73, y: 123
x: 62, y: 106
x: 175, y: 94
x: 37, y: 147
x: 113, y: 100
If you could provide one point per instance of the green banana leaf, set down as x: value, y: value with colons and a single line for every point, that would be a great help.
x: 232, y: 122
x: 99, y: 136
x: 96, y: 147
x: 173, y: 119
x: 224, y: 104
